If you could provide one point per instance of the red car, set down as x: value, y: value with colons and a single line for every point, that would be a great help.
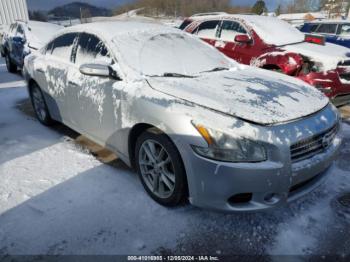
x: 273, y: 44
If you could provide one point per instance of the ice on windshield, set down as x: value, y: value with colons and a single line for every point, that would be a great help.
x: 158, y: 53
x: 274, y: 31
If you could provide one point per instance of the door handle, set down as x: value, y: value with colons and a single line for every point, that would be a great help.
x: 73, y: 84
x: 40, y: 71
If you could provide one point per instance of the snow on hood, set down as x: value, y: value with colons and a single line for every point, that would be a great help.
x: 252, y: 94
x: 329, y: 55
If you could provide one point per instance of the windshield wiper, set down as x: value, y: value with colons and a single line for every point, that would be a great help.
x: 216, y: 69
x: 176, y: 75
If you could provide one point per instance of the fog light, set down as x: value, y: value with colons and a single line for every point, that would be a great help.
x: 271, y: 198
x: 241, y: 198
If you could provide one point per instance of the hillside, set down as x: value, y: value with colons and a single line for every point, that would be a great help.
x: 74, y: 10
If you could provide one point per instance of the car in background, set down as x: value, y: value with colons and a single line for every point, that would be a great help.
x: 273, y: 44
x: 195, y: 124
x: 24, y: 37
x: 336, y: 32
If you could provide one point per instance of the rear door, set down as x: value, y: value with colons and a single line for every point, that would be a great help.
x: 53, y: 69
x: 91, y: 98
x: 241, y: 52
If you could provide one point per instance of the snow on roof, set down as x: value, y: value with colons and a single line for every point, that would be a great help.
x: 111, y: 29
x: 38, y: 33
x: 209, y: 14
x: 270, y: 29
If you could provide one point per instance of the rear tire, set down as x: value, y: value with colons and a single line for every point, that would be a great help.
x: 160, y: 168
x: 11, y: 67
x: 39, y: 105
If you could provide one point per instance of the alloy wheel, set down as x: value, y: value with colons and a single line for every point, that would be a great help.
x: 39, y: 104
x: 157, y: 169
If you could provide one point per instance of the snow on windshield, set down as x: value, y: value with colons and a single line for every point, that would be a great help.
x: 39, y: 33
x: 154, y: 54
x: 274, y: 31
x: 175, y: 53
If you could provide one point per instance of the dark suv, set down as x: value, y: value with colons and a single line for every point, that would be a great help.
x: 336, y: 32
x: 24, y: 37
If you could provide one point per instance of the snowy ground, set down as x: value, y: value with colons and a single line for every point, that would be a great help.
x: 57, y: 198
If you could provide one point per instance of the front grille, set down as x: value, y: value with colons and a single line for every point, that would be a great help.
x: 310, y: 147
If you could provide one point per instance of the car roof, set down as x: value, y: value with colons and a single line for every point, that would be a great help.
x: 246, y: 17
x: 111, y: 29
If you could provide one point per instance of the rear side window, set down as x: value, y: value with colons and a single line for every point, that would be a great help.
x: 91, y: 48
x: 313, y: 28
x: 230, y: 29
x: 185, y: 24
x: 208, y: 29
x: 62, y: 46
x: 345, y: 30
x: 48, y: 48
x: 327, y: 28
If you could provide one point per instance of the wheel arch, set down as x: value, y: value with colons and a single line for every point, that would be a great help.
x: 136, y: 132
x: 271, y: 67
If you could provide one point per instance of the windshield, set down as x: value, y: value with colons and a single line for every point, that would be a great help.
x: 41, y: 32
x: 170, y: 55
x: 274, y: 31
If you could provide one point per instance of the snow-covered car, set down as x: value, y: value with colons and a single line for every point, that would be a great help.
x: 194, y: 123
x: 24, y: 37
x: 273, y: 44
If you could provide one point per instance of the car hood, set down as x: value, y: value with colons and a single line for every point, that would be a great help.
x: 255, y: 95
x: 330, y: 55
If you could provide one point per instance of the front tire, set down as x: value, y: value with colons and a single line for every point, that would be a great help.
x: 11, y: 67
x: 40, y: 108
x: 160, y: 168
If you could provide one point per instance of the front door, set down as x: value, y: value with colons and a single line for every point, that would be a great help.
x: 91, y: 96
x: 241, y: 52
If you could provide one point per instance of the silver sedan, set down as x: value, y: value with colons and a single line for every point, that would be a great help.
x: 193, y: 123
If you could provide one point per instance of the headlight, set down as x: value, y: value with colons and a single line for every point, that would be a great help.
x: 309, y: 66
x: 223, y: 147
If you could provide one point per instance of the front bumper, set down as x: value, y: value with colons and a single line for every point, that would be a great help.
x: 270, y: 184
x: 235, y: 187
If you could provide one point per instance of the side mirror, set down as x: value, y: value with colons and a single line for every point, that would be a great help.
x: 101, y: 70
x: 244, y: 39
x: 18, y: 40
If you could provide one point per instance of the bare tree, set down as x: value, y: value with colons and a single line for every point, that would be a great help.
x: 85, y: 15
x: 181, y: 7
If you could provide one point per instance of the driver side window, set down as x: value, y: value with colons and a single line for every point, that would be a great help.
x: 91, y: 49
x: 230, y: 29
